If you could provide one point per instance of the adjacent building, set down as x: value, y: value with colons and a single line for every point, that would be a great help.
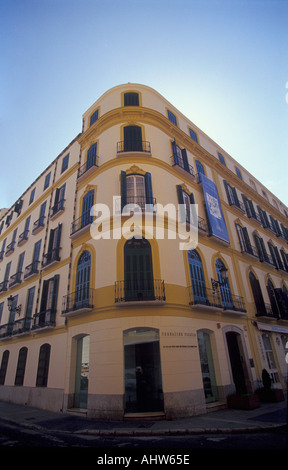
x: 100, y: 309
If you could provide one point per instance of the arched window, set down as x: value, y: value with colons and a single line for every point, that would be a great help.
x: 88, y: 201
x: 197, y: 278
x: 3, y: 368
x: 43, y: 365
x: 272, y: 297
x: 257, y: 294
x: 225, y: 290
x: 21, y: 365
x: 138, y: 270
x: 82, y: 294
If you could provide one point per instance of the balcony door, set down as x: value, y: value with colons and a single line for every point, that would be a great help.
x: 132, y: 139
x: 197, y: 277
x: 225, y: 290
x: 83, y: 280
x: 138, y: 269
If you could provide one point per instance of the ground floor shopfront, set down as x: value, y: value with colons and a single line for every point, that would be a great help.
x: 171, y: 365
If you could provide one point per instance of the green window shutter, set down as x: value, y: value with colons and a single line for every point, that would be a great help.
x: 247, y: 206
x: 227, y: 192
x: 259, y: 248
x: 123, y: 189
x: 149, y: 191
x: 235, y: 195
x: 182, y: 214
x: 247, y: 240
x: 185, y: 160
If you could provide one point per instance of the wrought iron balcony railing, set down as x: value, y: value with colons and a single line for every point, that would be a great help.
x: 23, y: 237
x: 180, y: 163
x: 58, y: 207
x: 50, y: 256
x: 44, y: 319
x: 205, y: 296
x: 91, y: 164
x: 133, y: 146
x: 78, y: 300
x: 31, y: 269
x: 38, y: 224
x: 139, y: 290
x: 18, y: 327
x: 202, y: 295
x: 15, y: 279
x: 84, y: 221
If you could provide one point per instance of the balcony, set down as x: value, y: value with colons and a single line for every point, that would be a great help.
x: 248, y: 249
x: 45, y: 319
x: 208, y: 299
x: 78, y: 302
x: 57, y: 209
x: 51, y: 257
x: 4, y: 286
x: 81, y: 225
x: 10, y: 248
x: 31, y: 269
x: 88, y: 167
x: 267, y: 311
x: 23, y: 237
x: 145, y: 204
x: 236, y: 304
x: 19, y: 327
x: 38, y: 225
x: 15, y: 279
x: 136, y: 146
x: 140, y: 290
x: 179, y: 163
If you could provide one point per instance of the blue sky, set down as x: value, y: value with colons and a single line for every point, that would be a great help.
x: 223, y: 63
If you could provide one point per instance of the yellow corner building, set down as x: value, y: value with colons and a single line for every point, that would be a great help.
x: 101, y: 311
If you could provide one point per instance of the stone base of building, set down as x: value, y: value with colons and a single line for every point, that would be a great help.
x: 44, y: 398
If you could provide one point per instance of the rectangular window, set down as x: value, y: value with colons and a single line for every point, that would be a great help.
x: 172, y: 117
x: 193, y: 135
x: 47, y: 181
x: 32, y: 195
x: 49, y: 295
x: 238, y: 172
x: 65, y: 163
x: 221, y: 158
x: 131, y: 99
x: 244, y: 240
x: 232, y: 196
x: 1, y: 310
x: 53, y: 246
x: 29, y: 308
x: 59, y: 200
x: 94, y: 117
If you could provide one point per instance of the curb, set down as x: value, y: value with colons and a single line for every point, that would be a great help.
x: 152, y: 432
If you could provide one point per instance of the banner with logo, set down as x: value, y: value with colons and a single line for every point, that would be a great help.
x: 213, y: 208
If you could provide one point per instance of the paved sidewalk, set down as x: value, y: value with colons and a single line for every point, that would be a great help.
x: 269, y: 417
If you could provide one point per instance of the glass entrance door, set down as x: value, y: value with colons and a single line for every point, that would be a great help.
x: 207, y: 367
x: 82, y: 373
x: 143, y: 378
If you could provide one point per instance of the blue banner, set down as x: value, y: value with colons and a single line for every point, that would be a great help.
x: 213, y: 208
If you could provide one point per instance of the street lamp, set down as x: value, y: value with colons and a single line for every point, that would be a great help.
x: 224, y: 277
x: 10, y: 302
